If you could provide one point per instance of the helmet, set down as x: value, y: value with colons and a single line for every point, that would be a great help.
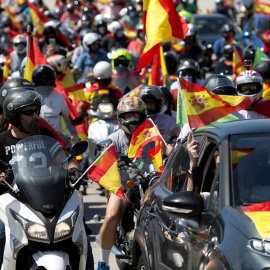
x: 249, y: 83
x: 6, y: 22
x: 19, y: 44
x: 128, y: 105
x: 121, y: 57
x: 58, y: 62
x: 152, y: 93
x: 16, y: 100
x: 101, y: 27
x: 226, y: 28
x: 228, y: 50
x: 115, y: 26
x: 189, y: 69
x: 100, y: 17
x: 86, y: 19
x: 171, y: 62
x: 14, y: 84
x: 43, y: 78
x: 131, y: 11
x: 102, y: 70
x: 192, y: 30
x: 89, y: 39
x: 249, y: 53
x: 263, y: 69
x: 49, y: 31
x: 220, y: 4
x: 220, y: 85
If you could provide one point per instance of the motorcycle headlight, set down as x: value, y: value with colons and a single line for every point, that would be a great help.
x: 32, y: 230
x: 65, y: 228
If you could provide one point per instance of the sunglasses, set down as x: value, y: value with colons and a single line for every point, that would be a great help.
x: 30, y: 112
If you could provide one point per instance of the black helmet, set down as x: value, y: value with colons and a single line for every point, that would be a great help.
x: 226, y: 29
x: 14, y: 84
x: 152, y: 93
x: 49, y: 30
x: 249, y: 53
x: 189, y: 69
x: 18, y: 99
x: 220, y: 85
x: 43, y: 78
x: 6, y: 22
x: 171, y: 62
x: 228, y: 50
x: 263, y: 69
x: 128, y: 105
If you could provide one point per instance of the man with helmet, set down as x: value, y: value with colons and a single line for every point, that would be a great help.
x: 19, y: 53
x: 116, y: 38
x: 154, y: 100
x: 86, y: 61
x: 131, y: 112
x: 55, y: 106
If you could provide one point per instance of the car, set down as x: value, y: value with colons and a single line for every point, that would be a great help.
x: 229, y: 229
x: 210, y: 27
x: 256, y: 21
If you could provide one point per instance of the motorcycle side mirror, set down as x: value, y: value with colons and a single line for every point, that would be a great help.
x: 77, y: 149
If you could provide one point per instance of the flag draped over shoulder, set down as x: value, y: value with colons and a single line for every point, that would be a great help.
x: 104, y: 171
x: 145, y: 133
x: 238, y: 62
x: 204, y: 107
x: 161, y: 23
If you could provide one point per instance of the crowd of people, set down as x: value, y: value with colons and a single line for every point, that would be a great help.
x: 96, y: 45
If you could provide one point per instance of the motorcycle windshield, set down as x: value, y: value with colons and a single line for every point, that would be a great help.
x: 39, y: 165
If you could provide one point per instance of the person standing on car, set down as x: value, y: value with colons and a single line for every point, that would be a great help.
x: 131, y: 112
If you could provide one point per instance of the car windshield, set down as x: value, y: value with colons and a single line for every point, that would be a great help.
x: 211, y: 25
x: 250, y: 159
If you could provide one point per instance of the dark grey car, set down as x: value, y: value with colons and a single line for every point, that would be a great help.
x: 177, y: 229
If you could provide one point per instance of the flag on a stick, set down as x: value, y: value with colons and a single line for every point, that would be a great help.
x: 156, y: 155
x: 161, y: 23
x: 238, y: 62
x: 104, y: 171
x: 204, y: 107
x: 30, y: 62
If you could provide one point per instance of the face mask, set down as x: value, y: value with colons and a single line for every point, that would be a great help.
x: 102, y: 30
x: 119, y: 34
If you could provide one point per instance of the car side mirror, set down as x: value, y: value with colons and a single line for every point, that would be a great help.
x: 185, y: 204
x: 77, y: 149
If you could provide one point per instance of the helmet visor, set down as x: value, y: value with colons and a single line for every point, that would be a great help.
x: 249, y: 88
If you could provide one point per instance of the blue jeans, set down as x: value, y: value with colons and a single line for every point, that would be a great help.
x: 89, y: 261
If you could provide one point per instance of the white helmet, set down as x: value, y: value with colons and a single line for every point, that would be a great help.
x: 100, y: 17
x: 249, y: 83
x: 19, y: 44
x: 89, y: 39
x: 115, y: 26
x: 102, y: 70
x: 58, y: 62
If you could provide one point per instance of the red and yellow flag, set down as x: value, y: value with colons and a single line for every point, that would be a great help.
x: 6, y: 68
x: 144, y: 134
x: 262, y: 7
x: 104, y: 171
x: 238, y: 62
x: 30, y: 62
x: 238, y: 153
x: 161, y: 23
x: 259, y: 213
x: 204, y: 107
x: 156, y: 155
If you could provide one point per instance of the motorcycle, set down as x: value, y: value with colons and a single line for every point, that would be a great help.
x: 42, y: 211
x: 123, y: 246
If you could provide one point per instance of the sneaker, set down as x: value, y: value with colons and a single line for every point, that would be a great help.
x: 103, y: 266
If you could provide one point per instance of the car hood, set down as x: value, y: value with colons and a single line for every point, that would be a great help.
x: 253, y: 221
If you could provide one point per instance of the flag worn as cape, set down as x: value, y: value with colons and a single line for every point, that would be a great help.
x: 145, y: 133
x: 238, y: 62
x: 104, y: 171
x: 161, y: 23
x: 204, y: 107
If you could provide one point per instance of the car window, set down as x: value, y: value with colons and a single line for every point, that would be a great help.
x: 250, y: 159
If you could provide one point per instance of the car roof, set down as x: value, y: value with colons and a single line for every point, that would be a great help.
x: 241, y: 126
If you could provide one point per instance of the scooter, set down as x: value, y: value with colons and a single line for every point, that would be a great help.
x: 43, y: 212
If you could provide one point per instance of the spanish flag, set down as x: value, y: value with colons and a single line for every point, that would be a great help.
x: 30, y: 62
x: 238, y: 62
x: 156, y: 155
x: 161, y: 23
x: 204, y: 107
x: 259, y: 213
x: 144, y: 134
x: 239, y: 153
x: 6, y: 68
x: 104, y: 171
x: 261, y: 7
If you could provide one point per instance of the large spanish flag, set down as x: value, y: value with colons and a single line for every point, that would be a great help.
x: 259, y: 213
x: 161, y: 23
x: 104, y: 171
x: 238, y: 62
x: 144, y: 134
x: 239, y: 153
x: 204, y: 107
x: 262, y: 7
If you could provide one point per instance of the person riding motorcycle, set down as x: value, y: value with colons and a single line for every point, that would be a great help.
x: 131, y: 112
